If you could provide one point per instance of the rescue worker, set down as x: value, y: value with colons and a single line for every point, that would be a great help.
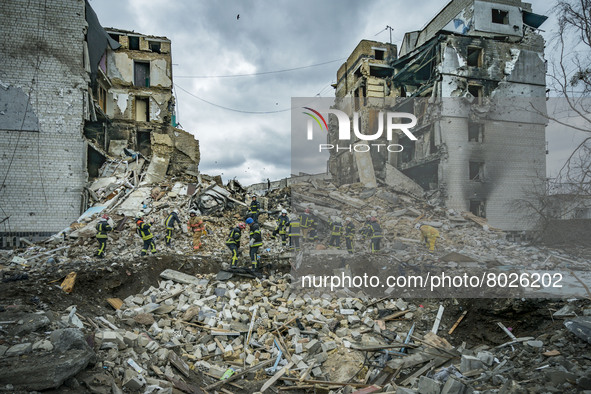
x: 169, y: 223
x: 365, y: 228
x: 102, y: 228
x: 313, y: 226
x: 143, y: 230
x: 196, y: 227
x: 349, y: 234
x: 294, y: 233
x: 233, y: 242
x: 429, y: 235
x: 375, y: 235
x: 281, y: 229
x: 305, y: 223
x: 256, y: 241
x: 336, y: 230
x: 255, y: 209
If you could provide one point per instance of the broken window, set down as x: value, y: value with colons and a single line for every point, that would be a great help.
x: 474, y: 57
x: 475, y: 132
x: 142, y: 109
x: 379, y: 54
x: 500, y: 17
x: 478, y: 208
x: 144, y: 144
x: 408, y: 151
x: 114, y: 36
x: 154, y: 46
x: 141, y: 74
x: 476, y: 92
x: 134, y: 43
x: 476, y: 171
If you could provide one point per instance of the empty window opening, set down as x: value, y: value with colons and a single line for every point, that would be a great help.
x: 478, y: 208
x: 134, y: 43
x: 475, y: 132
x: 141, y: 74
x: 379, y: 54
x: 102, y: 98
x: 474, y: 57
x: 499, y: 16
x: 476, y: 92
x: 142, y: 109
x: 408, y: 151
x: 114, y: 36
x: 94, y: 162
x: 154, y: 46
x: 144, y: 144
x: 476, y: 171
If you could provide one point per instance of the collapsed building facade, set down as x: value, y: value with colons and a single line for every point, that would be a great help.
x: 474, y: 77
x: 72, y: 97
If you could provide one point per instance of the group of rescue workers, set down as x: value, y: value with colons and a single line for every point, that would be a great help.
x: 295, y: 228
x: 195, y: 226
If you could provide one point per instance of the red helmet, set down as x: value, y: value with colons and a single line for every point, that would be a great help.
x: 307, y: 210
x: 241, y: 226
x: 105, y: 216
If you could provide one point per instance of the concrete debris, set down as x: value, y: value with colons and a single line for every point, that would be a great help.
x: 171, y: 322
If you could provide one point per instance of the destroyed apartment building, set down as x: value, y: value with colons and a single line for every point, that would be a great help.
x: 474, y: 77
x: 72, y: 98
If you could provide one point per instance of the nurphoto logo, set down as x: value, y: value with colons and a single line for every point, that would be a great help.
x: 393, y: 121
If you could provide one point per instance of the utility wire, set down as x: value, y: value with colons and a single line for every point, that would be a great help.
x: 232, y: 109
x: 239, y: 110
x: 260, y: 73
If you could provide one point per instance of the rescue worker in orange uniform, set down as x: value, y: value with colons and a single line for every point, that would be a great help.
x: 196, y: 227
x: 429, y: 235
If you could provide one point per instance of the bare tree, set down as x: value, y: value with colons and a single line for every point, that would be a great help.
x: 570, y: 78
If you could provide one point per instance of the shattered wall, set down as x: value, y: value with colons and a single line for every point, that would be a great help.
x: 480, y: 141
x: 139, y: 106
x: 140, y: 78
x: 43, y: 104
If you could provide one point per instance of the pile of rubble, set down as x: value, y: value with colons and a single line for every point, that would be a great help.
x: 196, y: 333
x: 196, y: 330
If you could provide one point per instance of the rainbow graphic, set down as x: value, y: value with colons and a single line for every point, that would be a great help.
x: 315, y: 118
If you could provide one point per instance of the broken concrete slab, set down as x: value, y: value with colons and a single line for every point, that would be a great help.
x: 50, y: 370
x: 345, y: 199
x: 365, y: 169
x: 157, y: 169
x: 581, y: 327
x: 179, y: 277
x: 401, y: 182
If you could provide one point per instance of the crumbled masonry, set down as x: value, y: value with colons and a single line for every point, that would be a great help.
x: 165, y: 323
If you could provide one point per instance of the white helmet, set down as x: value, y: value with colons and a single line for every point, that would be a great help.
x: 139, y: 215
x: 283, y: 211
x: 192, y: 211
x: 175, y: 211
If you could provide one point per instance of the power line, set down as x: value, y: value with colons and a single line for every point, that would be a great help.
x: 260, y: 73
x: 232, y: 109
x: 239, y: 110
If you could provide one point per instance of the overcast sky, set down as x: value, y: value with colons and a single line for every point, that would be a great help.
x: 209, y: 40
